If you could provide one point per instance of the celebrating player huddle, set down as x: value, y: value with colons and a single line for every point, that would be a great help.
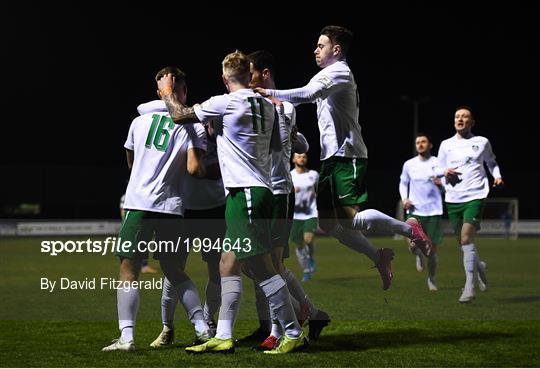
x: 228, y: 158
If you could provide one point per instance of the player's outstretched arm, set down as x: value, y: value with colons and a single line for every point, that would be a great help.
x: 309, y: 93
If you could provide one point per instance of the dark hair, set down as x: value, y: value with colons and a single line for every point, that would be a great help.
x: 466, y: 108
x: 338, y: 36
x: 262, y: 59
x: 179, y: 76
x: 421, y: 134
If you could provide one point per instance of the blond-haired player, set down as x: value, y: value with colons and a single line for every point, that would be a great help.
x: 246, y: 133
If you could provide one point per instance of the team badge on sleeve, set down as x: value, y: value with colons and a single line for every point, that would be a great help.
x: 326, y: 81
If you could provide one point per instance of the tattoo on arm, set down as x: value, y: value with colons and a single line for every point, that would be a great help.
x: 180, y: 113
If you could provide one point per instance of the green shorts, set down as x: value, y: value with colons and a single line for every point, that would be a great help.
x: 301, y: 226
x: 282, y: 219
x: 248, y: 215
x: 149, y: 231
x: 341, y: 183
x: 206, y: 224
x: 465, y: 212
x: 432, y: 226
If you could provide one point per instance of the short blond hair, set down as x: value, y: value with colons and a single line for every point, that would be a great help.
x: 236, y: 67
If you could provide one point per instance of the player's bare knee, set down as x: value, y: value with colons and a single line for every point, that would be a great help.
x: 129, y: 269
x: 228, y: 266
x: 308, y: 238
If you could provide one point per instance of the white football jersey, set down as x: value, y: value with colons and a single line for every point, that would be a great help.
x: 243, y: 121
x: 160, y: 159
x: 197, y: 193
x: 335, y: 92
x: 281, y: 160
x: 468, y: 155
x: 416, y: 184
x: 305, y: 203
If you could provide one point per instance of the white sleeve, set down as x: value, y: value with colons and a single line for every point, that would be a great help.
x: 489, y: 158
x: 404, y: 181
x: 130, y: 141
x: 320, y: 86
x: 440, y: 165
x: 197, y: 135
x: 154, y: 105
x: 306, y: 94
x: 212, y: 108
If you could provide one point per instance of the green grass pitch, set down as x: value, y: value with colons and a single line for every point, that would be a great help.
x: 406, y: 326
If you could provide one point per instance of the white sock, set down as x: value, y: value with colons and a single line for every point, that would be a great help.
x: 189, y: 297
x: 372, y: 220
x: 128, y: 305
x: 303, y: 256
x: 231, y: 291
x: 169, y: 300
x: 276, y: 329
x: 263, y: 310
x: 297, y: 291
x: 213, y: 300
x: 432, y: 265
x: 280, y: 304
x: 469, y: 262
x: 355, y: 241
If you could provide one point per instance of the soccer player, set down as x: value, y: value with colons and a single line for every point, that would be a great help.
x: 204, y: 218
x: 462, y: 158
x: 305, y: 213
x: 262, y: 67
x: 421, y: 198
x: 246, y: 133
x: 344, y: 155
x: 160, y: 154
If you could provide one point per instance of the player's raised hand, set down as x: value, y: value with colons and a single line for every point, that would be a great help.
x: 166, y: 84
x: 498, y: 183
x: 449, y: 172
x: 260, y: 91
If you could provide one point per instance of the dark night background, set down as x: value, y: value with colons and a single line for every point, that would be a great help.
x: 73, y: 77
